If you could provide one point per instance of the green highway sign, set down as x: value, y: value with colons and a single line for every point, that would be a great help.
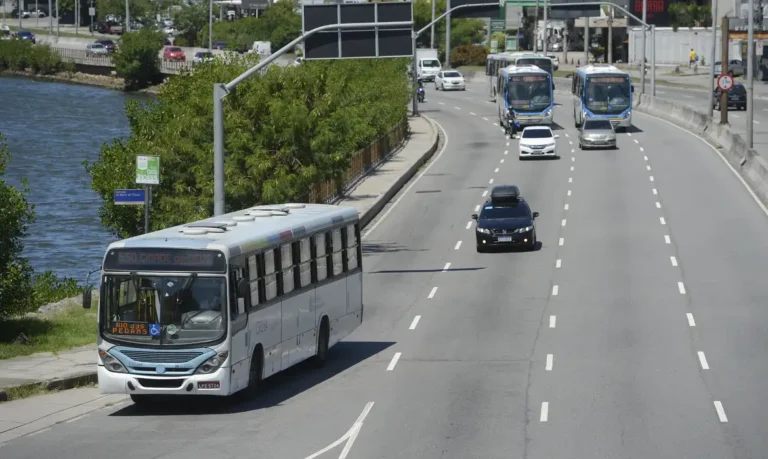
x: 148, y: 170
x: 498, y: 25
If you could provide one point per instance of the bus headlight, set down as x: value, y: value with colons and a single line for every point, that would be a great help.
x: 627, y: 115
x: 212, y: 364
x: 549, y: 112
x: 111, y: 363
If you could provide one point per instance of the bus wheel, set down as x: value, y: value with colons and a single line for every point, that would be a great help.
x: 322, y: 344
x: 255, y: 371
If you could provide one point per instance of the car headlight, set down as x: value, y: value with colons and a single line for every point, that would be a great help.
x: 484, y: 230
x: 212, y: 364
x: 111, y: 363
x: 524, y: 230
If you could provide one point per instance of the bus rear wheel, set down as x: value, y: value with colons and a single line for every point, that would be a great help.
x: 255, y: 371
x: 321, y: 356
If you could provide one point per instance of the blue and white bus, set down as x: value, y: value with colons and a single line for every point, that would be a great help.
x: 526, y: 90
x: 213, y: 307
x: 602, y: 91
x: 495, y: 62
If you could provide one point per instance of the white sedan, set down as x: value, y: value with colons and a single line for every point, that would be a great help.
x: 538, y: 141
x: 449, y: 79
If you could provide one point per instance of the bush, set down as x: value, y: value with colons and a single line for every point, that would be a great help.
x: 20, y: 55
x: 137, y: 60
x: 279, y: 25
x: 284, y: 131
x: 468, y: 55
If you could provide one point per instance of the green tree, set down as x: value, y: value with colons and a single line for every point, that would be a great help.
x: 689, y: 14
x: 139, y: 9
x: 281, y: 24
x: 239, y: 35
x: 137, y: 60
x: 191, y: 21
x: 463, y: 31
x: 285, y: 131
x: 16, y: 214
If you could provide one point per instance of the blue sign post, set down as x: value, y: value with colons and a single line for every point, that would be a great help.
x: 130, y: 197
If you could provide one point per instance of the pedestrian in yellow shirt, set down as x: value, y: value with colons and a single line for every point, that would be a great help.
x: 691, y: 58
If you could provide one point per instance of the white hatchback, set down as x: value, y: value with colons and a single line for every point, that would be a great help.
x: 450, y: 79
x: 538, y: 141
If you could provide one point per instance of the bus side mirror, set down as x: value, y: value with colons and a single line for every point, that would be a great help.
x: 87, y: 291
x: 474, y: 216
x: 633, y: 88
x: 242, y: 288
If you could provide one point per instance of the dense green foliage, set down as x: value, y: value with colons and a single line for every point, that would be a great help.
x: 145, y: 10
x: 21, y: 55
x: 689, y: 14
x: 20, y: 290
x: 278, y: 25
x: 468, y: 55
x: 137, y: 60
x: 284, y: 132
x: 191, y: 21
x: 463, y: 31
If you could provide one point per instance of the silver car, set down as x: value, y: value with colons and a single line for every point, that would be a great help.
x: 96, y: 50
x: 597, y: 133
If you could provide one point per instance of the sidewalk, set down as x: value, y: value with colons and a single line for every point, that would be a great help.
x: 77, y: 366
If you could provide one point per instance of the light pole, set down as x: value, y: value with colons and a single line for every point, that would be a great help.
x: 127, y: 17
x: 432, y: 31
x: 750, y: 70
x: 210, y: 28
x: 711, y: 107
x: 536, y: 28
x: 50, y: 17
x: 447, y: 35
x: 642, y: 50
x: 58, y: 21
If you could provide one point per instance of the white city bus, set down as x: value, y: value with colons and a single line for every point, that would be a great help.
x: 602, y: 92
x: 213, y: 307
x: 496, y: 62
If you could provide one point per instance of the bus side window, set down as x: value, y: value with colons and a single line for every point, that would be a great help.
x: 336, y: 251
x: 253, y: 280
x: 305, y: 262
x: 350, y: 243
x: 286, y: 260
x: 270, y: 276
x: 321, y: 258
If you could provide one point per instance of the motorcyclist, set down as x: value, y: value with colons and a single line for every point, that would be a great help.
x: 513, y: 124
x: 421, y: 90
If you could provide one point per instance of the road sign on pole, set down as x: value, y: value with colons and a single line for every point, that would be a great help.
x: 130, y: 197
x: 378, y: 41
x: 148, y: 170
x: 498, y: 25
x: 725, y: 82
x: 479, y: 10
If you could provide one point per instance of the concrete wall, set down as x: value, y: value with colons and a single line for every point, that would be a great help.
x: 674, y: 47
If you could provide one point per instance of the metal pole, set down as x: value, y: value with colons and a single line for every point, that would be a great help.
x: 127, y: 17
x: 546, y: 30
x: 448, y: 35
x: 50, y: 17
x: 711, y: 107
x: 58, y: 21
x: 642, y: 50
x: 610, y: 36
x: 432, y: 32
x: 724, y: 32
x: 93, y: 29
x: 586, y: 41
x: 147, y: 203
x: 219, y: 92
x: 37, y: 15
x: 750, y: 70
x: 210, y: 28
x: 21, y: 7
x: 536, y: 28
x: 415, y: 77
x: 77, y: 16
x: 653, y: 61
x: 565, y: 45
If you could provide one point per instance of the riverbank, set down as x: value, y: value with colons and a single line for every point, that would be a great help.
x: 87, y: 79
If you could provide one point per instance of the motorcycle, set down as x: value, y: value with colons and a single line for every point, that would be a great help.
x: 421, y: 94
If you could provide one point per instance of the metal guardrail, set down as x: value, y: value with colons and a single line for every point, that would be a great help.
x: 82, y: 57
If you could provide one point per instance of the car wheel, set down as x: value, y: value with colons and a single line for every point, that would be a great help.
x: 442, y: 86
x: 436, y: 87
x: 532, y: 245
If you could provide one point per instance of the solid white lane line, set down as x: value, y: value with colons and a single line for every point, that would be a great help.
x: 637, y: 141
x: 720, y: 411
x: 558, y: 263
x: 486, y: 119
x: 555, y: 290
x: 477, y: 208
x: 457, y: 108
x: 79, y: 417
x: 485, y: 193
x: 458, y: 244
x: 673, y: 260
x: 471, y: 113
x: 662, y: 221
x: 490, y: 181
x: 441, y: 103
x: 550, y: 362
x: 432, y: 293
x: 445, y: 268
x: 561, y: 241
x: 414, y: 323
x: 552, y: 321
x: 469, y: 224
x: 570, y: 179
x: 565, y: 207
x: 658, y: 205
x: 648, y: 167
x: 544, y: 411
x: 703, y: 361
x: 681, y: 287
x: 666, y: 239
x: 645, y: 158
x: 393, y: 362
x: 569, y: 192
x: 651, y: 178
x: 562, y: 223
x: 655, y: 192
x: 691, y: 322
x: 497, y: 170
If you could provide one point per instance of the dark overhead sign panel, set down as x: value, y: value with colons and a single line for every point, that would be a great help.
x: 561, y: 9
x: 381, y: 41
x: 492, y: 10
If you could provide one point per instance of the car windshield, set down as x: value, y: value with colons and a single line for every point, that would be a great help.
x: 492, y: 212
x: 537, y: 133
x: 175, y: 50
x: 738, y: 89
x: 452, y: 75
x: 607, y: 94
x: 597, y: 124
x: 430, y: 63
x: 165, y: 310
x: 25, y: 34
x: 97, y: 46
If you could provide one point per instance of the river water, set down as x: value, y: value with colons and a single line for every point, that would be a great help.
x: 51, y: 128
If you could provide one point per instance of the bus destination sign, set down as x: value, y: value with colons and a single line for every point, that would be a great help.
x: 614, y: 79
x: 130, y: 328
x: 159, y: 259
x: 529, y: 78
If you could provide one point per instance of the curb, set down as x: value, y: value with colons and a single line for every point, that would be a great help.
x: 382, y: 201
x: 68, y: 382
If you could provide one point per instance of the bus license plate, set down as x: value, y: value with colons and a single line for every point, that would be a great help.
x: 208, y: 385
x: 505, y: 238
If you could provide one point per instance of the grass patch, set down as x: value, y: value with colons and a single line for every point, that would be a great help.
x: 44, y: 31
x: 32, y: 390
x: 562, y: 73
x: 64, y: 328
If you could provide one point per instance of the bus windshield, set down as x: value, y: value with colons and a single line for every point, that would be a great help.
x: 529, y: 93
x: 543, y: 63
x: 164, y: 310
x: 607, y: 94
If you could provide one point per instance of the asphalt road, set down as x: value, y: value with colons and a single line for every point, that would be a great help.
x: 637, y: 329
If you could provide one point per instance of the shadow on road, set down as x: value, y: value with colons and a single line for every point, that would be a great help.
x: 370, y: 248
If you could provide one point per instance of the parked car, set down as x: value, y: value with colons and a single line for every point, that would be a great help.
x: 108, y: 44
x: 555, y: 61
x: 25, y: 35
x: 735, y: 68
x: 203, y: 56
x: 96, y: 50
x: 174, y: 53
x: 737, y: 97
x: 219, y: 45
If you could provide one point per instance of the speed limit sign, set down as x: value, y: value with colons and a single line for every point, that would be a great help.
x: 725, y: 82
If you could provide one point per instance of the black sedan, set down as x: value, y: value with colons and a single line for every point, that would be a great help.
x: 505, y: 220
x: 737, y: 97
x: 25, y: 35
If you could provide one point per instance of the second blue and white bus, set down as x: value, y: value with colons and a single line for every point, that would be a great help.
x: 603, y: 92
x: 495, y: 62
x: 526, y: 90
x: 214, y: 306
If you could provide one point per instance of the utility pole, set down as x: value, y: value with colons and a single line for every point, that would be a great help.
x: 210, y: 27
x: 58, y: 21
x: 642, y: 50
x: 724, y: 31
x: 77, y: 16
x: 610, y: 36
x: 653, y: 60
x: 565, y: 43
x: 127, y: 17
x: 712, y: 58
x: 586, y: 41
x: 546, y: 30
x: 447, y: 36
x: 750, y: 70
x: 432, y: 30
x: 21, y: 7
x: 536, y: 28
x: 50, y: 17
